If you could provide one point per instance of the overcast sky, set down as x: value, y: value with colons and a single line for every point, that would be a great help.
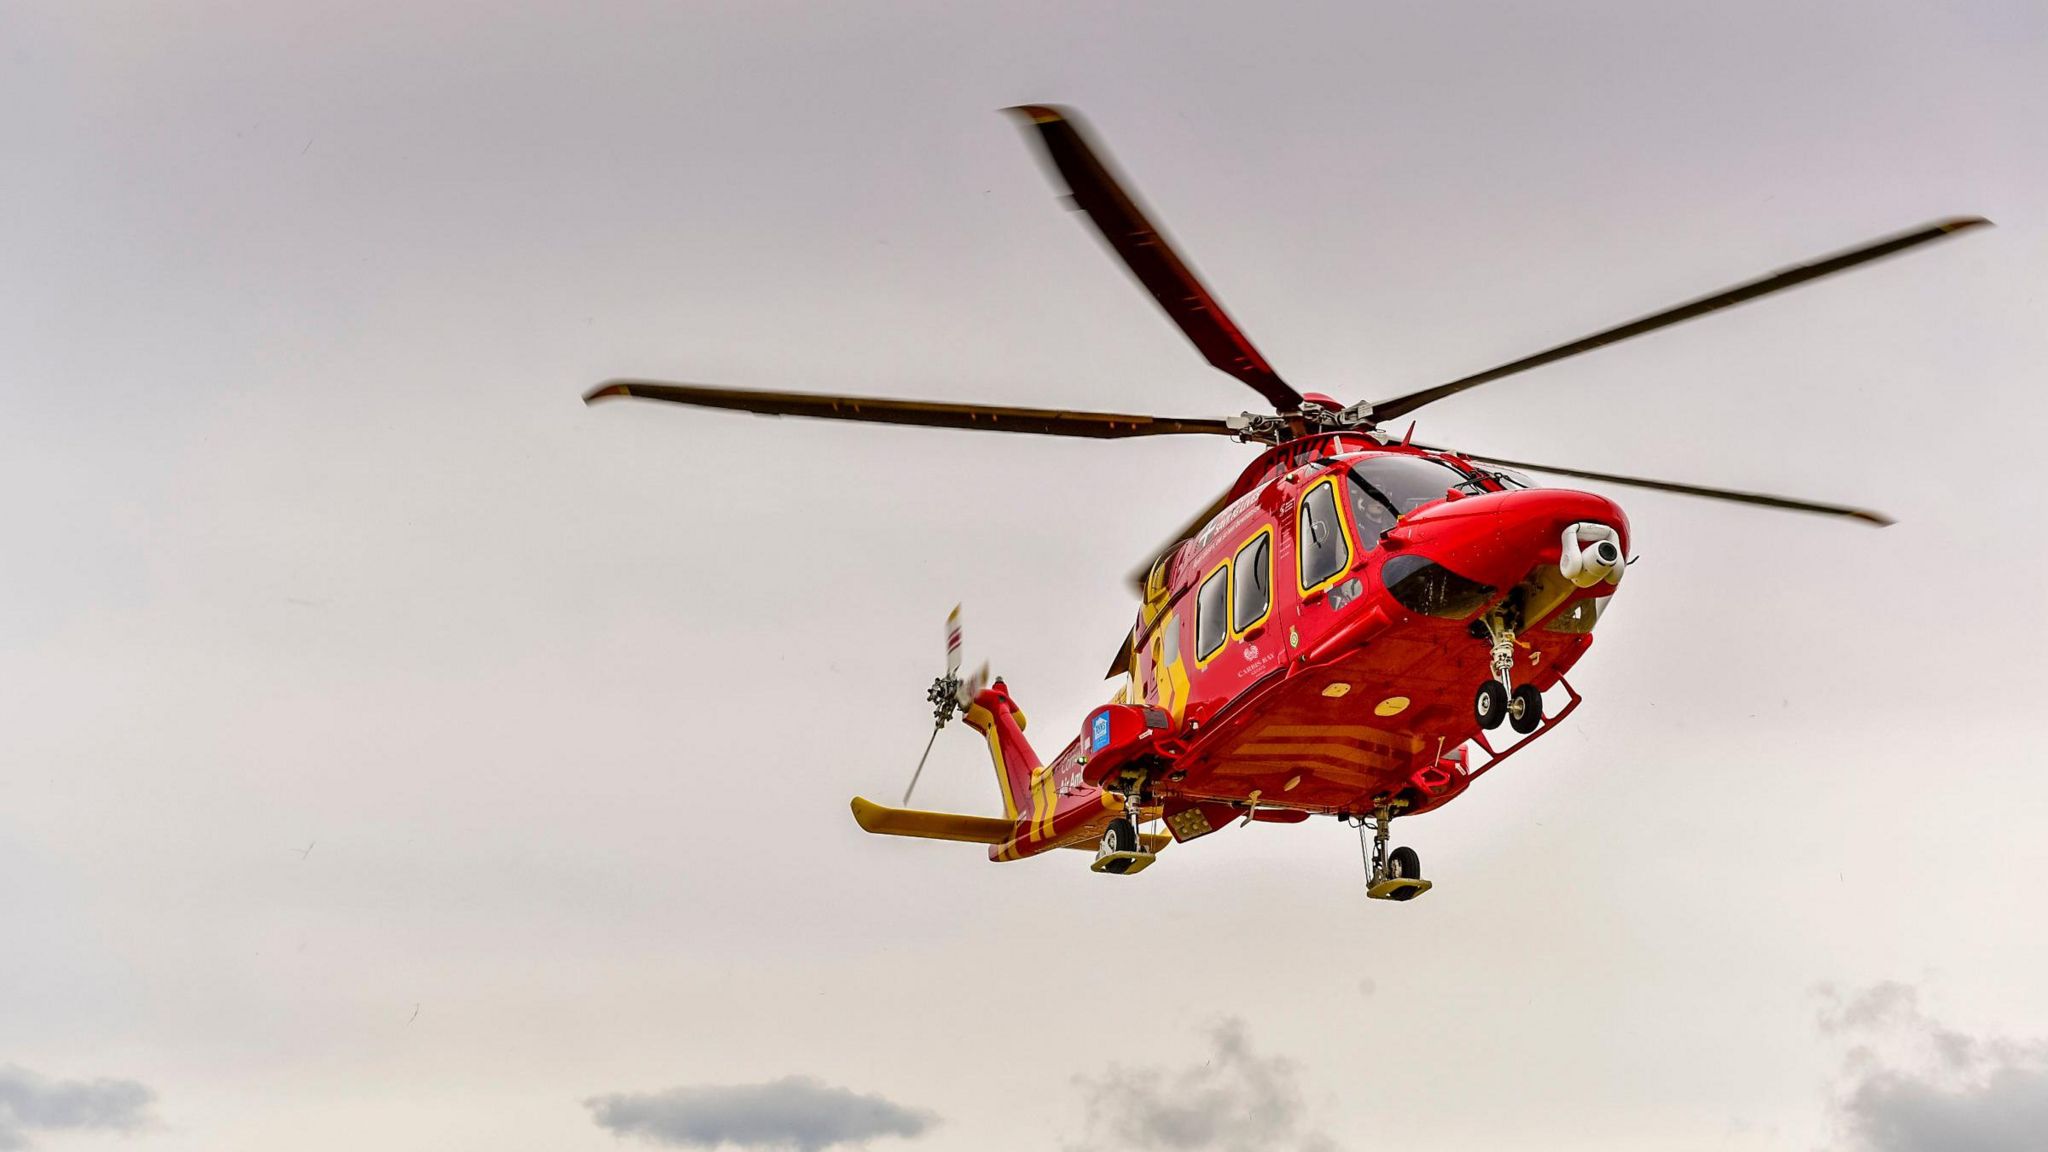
x: 395, y: 753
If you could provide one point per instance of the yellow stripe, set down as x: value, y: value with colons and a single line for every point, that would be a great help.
x: 1031, y: 829
x: 979, y: 717
x: 1343, y: 529
x: 1043, y: 823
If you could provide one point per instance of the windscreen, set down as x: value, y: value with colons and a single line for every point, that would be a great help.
x: 1383, y: 489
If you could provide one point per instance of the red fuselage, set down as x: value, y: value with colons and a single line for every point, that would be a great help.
x: 1314, y: 649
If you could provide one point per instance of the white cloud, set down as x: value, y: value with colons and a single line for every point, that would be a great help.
x: 1232, y: 1100
x: 795, y: 1112
x: 30, y: 1103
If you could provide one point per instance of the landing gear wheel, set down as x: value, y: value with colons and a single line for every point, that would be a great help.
x: 1118, y: 839
x: 1525, y: 710
x: 1491, y: 704
x: 1389, y: 875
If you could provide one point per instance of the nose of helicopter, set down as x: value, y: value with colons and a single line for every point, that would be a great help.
x: 1496, y: 538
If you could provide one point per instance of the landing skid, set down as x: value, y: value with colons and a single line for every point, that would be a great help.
x: 1122, y: 863
x: 1398, y: 888
x: 1122, y: 852
x: 1395, y: 875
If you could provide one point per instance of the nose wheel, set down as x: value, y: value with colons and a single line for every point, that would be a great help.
x: 1490, y: 705
x: 1499, y: 699
x: 1525, y: 709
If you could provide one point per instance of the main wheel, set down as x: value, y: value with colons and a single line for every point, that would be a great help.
x: 1525, y: 711
x: 1119, y: 837
x: 1404, y: 864
x: 1490, y: 704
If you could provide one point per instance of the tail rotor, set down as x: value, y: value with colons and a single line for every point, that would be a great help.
x: 949, y: 694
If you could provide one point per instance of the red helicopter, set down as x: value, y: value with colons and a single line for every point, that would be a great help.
x: 1339, y: 633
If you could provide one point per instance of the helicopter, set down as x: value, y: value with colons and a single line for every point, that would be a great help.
x: 1342, y: 632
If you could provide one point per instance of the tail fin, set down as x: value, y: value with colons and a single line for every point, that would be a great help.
x: 996, y: 716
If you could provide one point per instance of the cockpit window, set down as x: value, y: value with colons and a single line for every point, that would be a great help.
x: 1382, y: 489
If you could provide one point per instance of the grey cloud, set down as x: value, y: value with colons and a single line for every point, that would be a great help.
x: 795, y: 1112
x: 30, y: 1103
x: 1231, y: 1100
x: 1915, y: 1085
x: 2004, y: 1109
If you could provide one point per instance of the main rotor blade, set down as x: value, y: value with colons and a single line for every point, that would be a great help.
x: 1140, y: 578
x: 1142, y: 574
x: 1777, y: 282
x: 1093, y: 188
x: 923, y: 413
x: 1762, y: 499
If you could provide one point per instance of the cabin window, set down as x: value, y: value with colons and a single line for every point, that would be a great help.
x: 1324, y: 551
x: 1253, y: 582
x: 1212, y: 604
x: 1169, y: 645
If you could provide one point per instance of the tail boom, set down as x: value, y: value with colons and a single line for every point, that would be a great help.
x: 996, y: 716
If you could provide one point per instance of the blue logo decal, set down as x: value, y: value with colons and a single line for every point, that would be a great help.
x: 1101, y: 735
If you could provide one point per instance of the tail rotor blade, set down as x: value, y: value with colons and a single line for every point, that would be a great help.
x: 948, y: 694
x: 972, y: 686
x: 953, y: 641
x: 920, y: 767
